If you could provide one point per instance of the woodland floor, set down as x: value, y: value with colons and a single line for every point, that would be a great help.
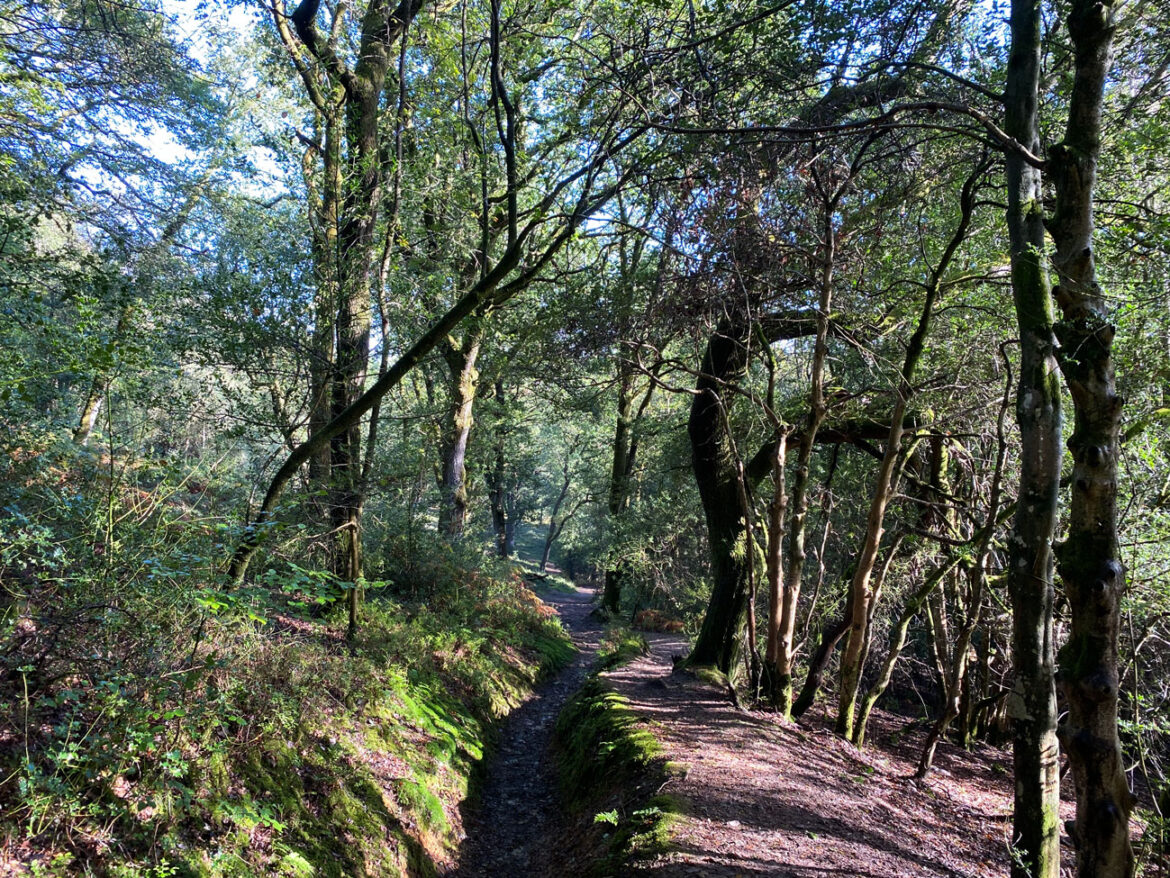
x: 512, y: 830
x: 762, y: 796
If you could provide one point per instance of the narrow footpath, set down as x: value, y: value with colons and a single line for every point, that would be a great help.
x: 760, y: 796
x: 512, y: 830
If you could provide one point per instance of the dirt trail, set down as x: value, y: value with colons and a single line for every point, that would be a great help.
x: 512, y: 831
x: 766, y: 797
x: 762, y: 797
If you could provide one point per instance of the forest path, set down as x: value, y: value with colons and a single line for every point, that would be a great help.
x: 512, y: 830
x: 768, y: 797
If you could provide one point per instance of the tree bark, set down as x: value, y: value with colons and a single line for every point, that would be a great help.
x: 1089, y: 561
x: 863, y: 592
x: 461, y: 361
x: 898, y: 632
x: 724, y: 362
x: 792, y: 572
x: 621, y: 468
x: 1032, y: 701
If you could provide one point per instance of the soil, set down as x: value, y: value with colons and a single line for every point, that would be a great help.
x: 760, y: 795
x: 512, y: 830
x: 764, y: 796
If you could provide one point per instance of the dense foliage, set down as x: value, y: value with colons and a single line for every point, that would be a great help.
x: 317, y: 321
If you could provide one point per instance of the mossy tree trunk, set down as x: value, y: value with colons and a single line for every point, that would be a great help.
x: 1089, y: 561
x: 461, y: 356
x: 623, y: 460
x: 348, y: 102
x: 724, y: 362
x: 1032, y: 701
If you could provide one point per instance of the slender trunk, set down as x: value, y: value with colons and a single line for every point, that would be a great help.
x: 323, y: 351
x: 794, y: 563
x: 1090, y: 559
x: 91, y: 408
x: 940, y: 636
x: 555, y: 527
x: 611, y: 595
x: 817, y: 664
x: 898, y: 632
x: 958, y: 684
x: 553, y: 532
x: 954, y: 683
x: 773, y: 559
x: 863, y: 592
x: 1032, y: 701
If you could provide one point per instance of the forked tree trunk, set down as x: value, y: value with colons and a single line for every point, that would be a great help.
x: 863, y: 591
x: 788, y: 576
x: 830, y: 637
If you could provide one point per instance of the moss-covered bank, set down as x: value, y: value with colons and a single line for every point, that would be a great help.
x: 611, y: 769
x: 287, y: 751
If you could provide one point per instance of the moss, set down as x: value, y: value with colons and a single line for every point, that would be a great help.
x: 418, y: 798
x: 649, y: 828
x: 711, y: 675
x: 601, y: 741
x: 611, y: 764
x: 620, y: 646
x: 291, y: 752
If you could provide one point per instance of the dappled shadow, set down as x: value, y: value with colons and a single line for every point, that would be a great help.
x: 769, y: 797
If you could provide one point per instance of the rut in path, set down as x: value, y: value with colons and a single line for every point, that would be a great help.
x: 513, y: 830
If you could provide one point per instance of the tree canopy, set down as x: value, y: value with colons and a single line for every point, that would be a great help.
x: 794, y: 325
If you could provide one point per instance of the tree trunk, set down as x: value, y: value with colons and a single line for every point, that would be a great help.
x: 1090, y: 559
x: 555, y: 527
x: 958, y: 684
x: 863, y: 592
x: 724, y: 362
x: 817, y: 664
x: 620, y: 468
x: 774, y: 566
x: 553, y: 532
x: 793, y: 568
x: 898, y: 632
x: 1032, y: 701
x: 461, y: 362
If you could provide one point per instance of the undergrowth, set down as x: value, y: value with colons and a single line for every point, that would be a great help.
x: 154, y: 723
